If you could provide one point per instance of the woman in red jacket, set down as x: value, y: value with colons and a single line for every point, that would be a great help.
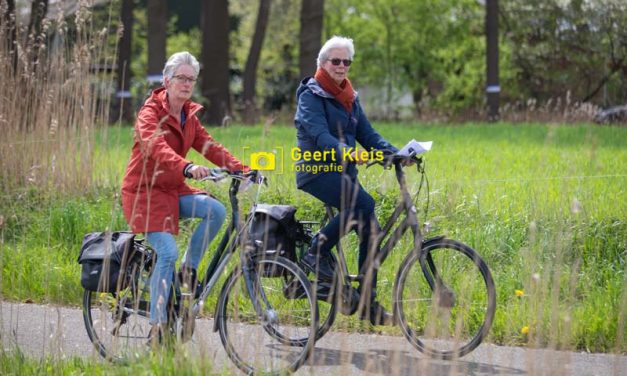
x: 154, y: 193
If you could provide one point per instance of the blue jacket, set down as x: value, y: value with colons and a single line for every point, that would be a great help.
x: 323, y: 124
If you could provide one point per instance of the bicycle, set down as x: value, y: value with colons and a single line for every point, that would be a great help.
x: 444, y: 297
x: 265, y: 304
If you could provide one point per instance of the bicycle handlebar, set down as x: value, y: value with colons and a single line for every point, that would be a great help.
x: 391, y: 158
x: 218, y: 174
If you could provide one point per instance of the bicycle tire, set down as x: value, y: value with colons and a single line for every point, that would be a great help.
x: 453, y: 320
x: 286, y: 332
x: 118, y: 323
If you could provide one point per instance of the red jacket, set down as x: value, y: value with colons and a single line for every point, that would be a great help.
x: 154, y: 176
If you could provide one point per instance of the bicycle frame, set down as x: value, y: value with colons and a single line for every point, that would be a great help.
x: 226, y: 249
x: 410, y: 221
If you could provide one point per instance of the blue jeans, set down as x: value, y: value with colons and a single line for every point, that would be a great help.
x: 212, y: 213
x: 356, y: 212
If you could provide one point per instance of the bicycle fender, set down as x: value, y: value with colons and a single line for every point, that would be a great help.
x: 439, y: 237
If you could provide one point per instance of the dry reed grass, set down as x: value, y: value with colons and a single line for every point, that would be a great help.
x: 52, y: 102
x: 560, y: 110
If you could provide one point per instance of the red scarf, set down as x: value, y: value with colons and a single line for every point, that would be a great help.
x: 343, y: 92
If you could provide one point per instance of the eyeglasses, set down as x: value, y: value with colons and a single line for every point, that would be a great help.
x: 185, y: 79
x: 336, y: 61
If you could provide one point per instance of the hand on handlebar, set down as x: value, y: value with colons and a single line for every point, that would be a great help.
x: 196, y: 172
x: 256, y: 177
x: 359, y: 158
x: 390, y: 158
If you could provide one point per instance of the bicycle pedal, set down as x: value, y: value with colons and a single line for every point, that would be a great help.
x: 186, y: 295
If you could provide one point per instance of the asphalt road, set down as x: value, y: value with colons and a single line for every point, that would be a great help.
x: 43, y: 330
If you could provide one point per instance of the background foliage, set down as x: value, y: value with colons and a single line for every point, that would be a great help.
x: 419, y: 58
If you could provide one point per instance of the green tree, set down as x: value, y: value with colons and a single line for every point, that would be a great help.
x: 277, y: 72
x: 569, y: 49
x: 423, y: 47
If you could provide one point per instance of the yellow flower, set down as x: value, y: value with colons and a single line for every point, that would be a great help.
x: 519, y: 293
x: 524, y: 330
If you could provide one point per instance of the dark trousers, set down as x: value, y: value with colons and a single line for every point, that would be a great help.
x: 356, y: 213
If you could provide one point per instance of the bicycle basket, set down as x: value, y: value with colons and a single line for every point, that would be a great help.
x: 273, y: 230
x: 103, y: 257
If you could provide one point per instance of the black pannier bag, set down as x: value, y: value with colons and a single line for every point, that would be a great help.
x: 274, y: 230
x: 102, y: 256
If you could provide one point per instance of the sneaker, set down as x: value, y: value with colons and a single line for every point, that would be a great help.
x: 155, y: 336
x: 323, y: 266
x: 377, y: 315
x: 160, y: 336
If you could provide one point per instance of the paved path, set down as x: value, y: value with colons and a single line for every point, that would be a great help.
x: 59, y: 331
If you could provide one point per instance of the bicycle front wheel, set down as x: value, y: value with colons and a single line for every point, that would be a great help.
x: 279, y: 334
x: 449, y: 316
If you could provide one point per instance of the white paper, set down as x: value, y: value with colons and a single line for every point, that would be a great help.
x: 414, y: 147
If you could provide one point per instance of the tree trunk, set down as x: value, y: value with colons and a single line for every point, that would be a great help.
x: 250, y: 71
x: 124, y: 62
x: 10, y: 32
x: 38, y: 11
x: 157, y: 23
x: 311, y: 16
x: 493, y: 87
x: 215, y: 59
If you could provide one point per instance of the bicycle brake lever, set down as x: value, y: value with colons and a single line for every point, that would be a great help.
x: 215, y: 175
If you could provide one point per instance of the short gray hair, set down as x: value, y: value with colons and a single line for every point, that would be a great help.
x: 178, y: 59
x: 335, y: 42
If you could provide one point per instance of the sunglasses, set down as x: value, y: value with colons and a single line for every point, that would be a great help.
x: 184, y: 79
x: 336, y: 61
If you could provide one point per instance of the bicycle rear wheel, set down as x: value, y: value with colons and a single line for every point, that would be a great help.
x: 450, y: 318
x: 282, y: 336
x: 117, y: 323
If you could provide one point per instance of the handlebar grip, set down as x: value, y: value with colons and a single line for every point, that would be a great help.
x: 390, y: 159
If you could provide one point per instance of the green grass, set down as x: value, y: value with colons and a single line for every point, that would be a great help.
x: 545, y: 206
x: 163, y: 362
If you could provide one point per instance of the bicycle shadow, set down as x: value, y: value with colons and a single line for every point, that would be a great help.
x: 400, y: 362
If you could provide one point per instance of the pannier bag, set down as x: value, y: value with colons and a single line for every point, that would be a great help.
x: 103, y: 254
x: 274, y: 230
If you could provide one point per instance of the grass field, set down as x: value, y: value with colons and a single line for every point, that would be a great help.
x: 545, y: 205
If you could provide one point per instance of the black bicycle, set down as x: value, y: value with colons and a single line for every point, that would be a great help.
x: 444, y: 297
x: 266, y: 313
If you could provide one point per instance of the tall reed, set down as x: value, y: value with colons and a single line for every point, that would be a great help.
x: 53, y: 97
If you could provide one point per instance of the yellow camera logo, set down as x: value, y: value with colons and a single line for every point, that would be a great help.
x: 263, y: 160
